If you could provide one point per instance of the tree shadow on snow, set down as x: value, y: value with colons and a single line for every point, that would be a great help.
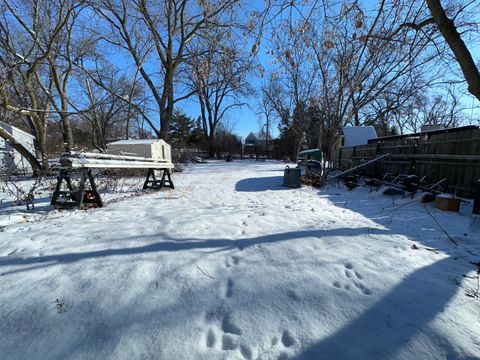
x: 392, y: 322
x: 260, y: 184
x: 41, y: 205
x: 171, y: 244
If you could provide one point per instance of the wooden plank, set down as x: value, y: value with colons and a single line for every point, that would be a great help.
x: 77, y: 160
x: 87, y: 155
x: 115, y: 164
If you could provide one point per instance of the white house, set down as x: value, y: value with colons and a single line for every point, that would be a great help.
x: 10, y: 160
x: 257, y: 143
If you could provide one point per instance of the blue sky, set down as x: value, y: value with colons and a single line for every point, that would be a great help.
x: 247, y: 119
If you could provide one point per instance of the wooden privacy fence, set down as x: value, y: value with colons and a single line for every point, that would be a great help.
x: 453, y: 154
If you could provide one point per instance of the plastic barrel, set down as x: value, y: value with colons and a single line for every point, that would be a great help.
x: 291, y: 177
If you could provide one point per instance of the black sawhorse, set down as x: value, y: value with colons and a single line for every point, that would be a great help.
x: 81, y: 197
x: 153, y: 183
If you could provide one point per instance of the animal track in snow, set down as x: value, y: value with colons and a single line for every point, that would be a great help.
x: 292, y: 295
x: 246, y: 351
x: 211, y: 339
x: 235, y: 260
x: 287, y: 339
x: 354, y: 277
x: 229, y: 291
x: 230, y: 335
x: 229, y: 327
x: 229, y: 342
x: 280, y: 348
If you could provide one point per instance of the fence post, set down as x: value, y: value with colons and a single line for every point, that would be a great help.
x: 476, y: 202
x: 412, y: 159
x: 375, y: 169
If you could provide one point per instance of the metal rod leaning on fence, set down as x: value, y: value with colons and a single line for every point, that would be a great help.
x: 358, y: 167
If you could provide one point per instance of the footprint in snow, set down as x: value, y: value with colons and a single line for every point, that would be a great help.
x: 355, y: 277
x: 230, y: 338
x: 229, y: 327
x: 287, y: 339
x: 246, y: 352
x: 229, y: 342
x: 211, y: 339
x: 292, y: 295
x: 235, y: 260
x: 229, y: 291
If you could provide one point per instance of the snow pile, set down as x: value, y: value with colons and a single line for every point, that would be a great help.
x: 231, y: 265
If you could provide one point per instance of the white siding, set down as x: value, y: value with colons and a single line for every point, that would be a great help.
x: 10, y: 159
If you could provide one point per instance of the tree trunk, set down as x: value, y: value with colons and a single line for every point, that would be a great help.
x: 32, y: 160
x: 458, y: 47
x: 42, y: 146
x: 211, y: 144
x: 166, y: 111
x: 67, y: 132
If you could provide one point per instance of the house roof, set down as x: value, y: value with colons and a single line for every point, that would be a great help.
x: 358, y: 135
x: 257, y: 136
x: 251, y: 136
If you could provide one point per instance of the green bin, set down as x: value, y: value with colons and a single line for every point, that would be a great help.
x: 291, y: 177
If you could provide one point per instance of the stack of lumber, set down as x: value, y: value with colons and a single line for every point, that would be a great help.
x: 78, y: 160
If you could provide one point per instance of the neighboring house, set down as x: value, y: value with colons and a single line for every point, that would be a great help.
x: 10, y: 160
x: 257, y: 144
x: 352, y: 136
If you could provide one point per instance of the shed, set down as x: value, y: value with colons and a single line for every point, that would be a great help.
x: 357, y: 135
x: 11, y: 160
x: 352, y: 136
x: 149, y: 148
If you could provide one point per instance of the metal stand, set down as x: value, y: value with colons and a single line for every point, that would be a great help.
x: 80, y: 197
x: 153, y: 183
x: 83, y: 197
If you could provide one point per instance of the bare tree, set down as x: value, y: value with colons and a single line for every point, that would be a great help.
x: 453, y: 38
x: 292, y: 86
x: 30, y: 34
x: 219, y: 78
x: 155, y: 34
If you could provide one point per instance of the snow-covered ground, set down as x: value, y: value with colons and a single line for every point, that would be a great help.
x: 231, y: 265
